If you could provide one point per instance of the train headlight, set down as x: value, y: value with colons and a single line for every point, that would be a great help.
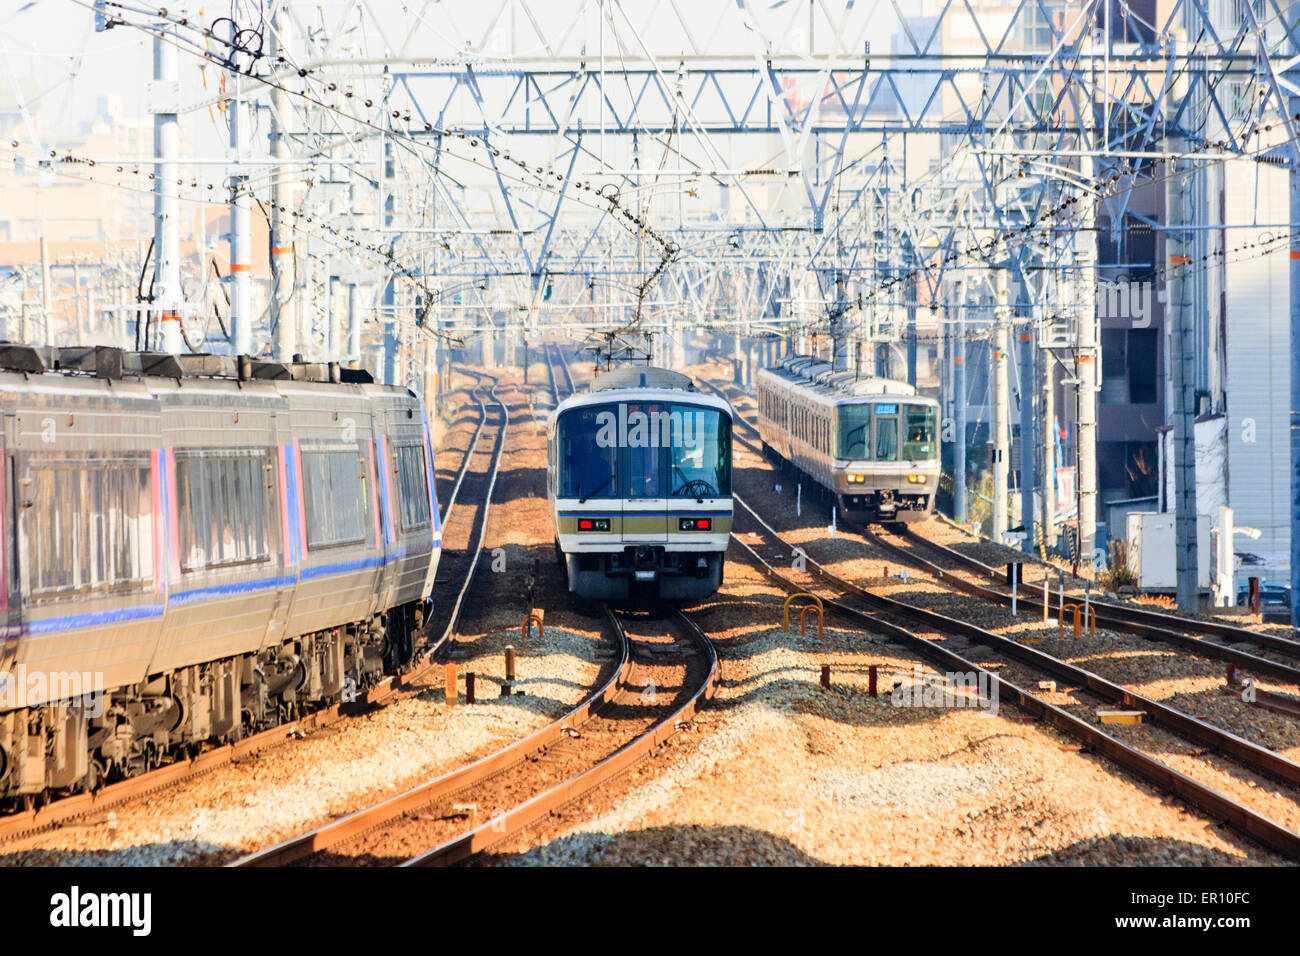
x: 857, y: 479
x: 593, y: 524
x: 695, y: 524
x: 916, y: 479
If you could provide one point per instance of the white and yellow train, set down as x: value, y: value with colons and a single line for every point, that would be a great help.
x: 872, y: 443
x: 639, y: 485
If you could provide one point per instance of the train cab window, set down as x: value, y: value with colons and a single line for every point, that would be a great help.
x: 918, y: 432
x: 222, y: 507
x: 886, y: 432
x: 587, y: 468
x: 855, y: 432
x: 413, y: 482
x: 699, y: 452
x: 335, y: 503
x: 87, y: 526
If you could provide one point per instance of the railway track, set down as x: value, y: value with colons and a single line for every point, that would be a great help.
x: 1212, y: 638
x: 904, y: 624
x: 555, y: 360
x: 458, y: 567
x: 1224, y: 753
x: 1204, y: 638
x: 65, y: 810
x: 662, y: 672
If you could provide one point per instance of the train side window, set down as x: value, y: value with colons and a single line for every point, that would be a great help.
x: 334, y: 500
x: 222, y: 508
x: 413, y: 481
x: 88, y: 526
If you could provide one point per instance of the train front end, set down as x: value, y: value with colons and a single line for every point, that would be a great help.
x: 887, y: 460
x: 640, y: 487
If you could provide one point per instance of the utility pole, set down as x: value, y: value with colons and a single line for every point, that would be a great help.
x: 1027, y: 383
x: 911, y: 321
x: 284, y: 313
x: 959, y: 403
x: 1086, y: 375
x: 1001, y: 408
x: 47, y: 295
x: 1182, y: 373
x: 1294, y: 179
x: 241, y: 246
x: 392, y: 345
x: 354, y: 328
x: 1049, y: 449
x: 166, y: 203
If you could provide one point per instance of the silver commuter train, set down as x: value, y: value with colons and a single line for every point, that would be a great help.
x: 639, y: 485
x: 212, y: 543
x: 871, y: 443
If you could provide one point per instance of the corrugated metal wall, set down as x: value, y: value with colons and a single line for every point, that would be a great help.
x: 1258, y: 343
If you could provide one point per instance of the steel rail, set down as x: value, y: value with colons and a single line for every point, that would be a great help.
x: 1258, y: 758
x: 1148, y: 624
x: 1107, y: 611
x: 469, y: 452
x: 481, y: 533
x: 344, y: 828
x: 1032, y: 601
x: 520, y: 817
x: 1250, y: 822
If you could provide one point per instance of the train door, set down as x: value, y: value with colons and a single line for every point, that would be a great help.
x: 643, y: 472
x: 885, y: 427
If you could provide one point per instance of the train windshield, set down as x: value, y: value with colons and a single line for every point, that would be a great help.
x: 587, y: 469
x: 855, y: 431
x: 918, y: 432
x: 644, y: 450
x: 700, y: 463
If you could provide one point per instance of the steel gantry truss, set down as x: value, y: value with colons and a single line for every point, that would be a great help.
x: 854, y: 169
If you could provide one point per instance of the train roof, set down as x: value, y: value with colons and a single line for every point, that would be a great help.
x: 644, y: 377
x: 645, y: 383
x: 819, y: 377
x: 106, y: 362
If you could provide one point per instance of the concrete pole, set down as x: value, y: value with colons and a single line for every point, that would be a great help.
x: 166, y: 207
x: 1049, y: 451
x: 391, y: 344
x: 336, y: 345
x: 959, y: 404
x: 911, y: 333
x: 1028, y: 381
x: 1088, y: 375
x: 47, y: 294
x: 354, y: 328
x: 1183, y: 374
x: 1295, y: 375
x: 1001, y: 408
x: 284, y: 305
x: 241, y: 243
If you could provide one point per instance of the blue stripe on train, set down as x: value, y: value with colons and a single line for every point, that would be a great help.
x: 93, y: 618
x: 73, y: 622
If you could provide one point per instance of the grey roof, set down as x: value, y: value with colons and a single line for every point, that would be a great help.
x: 821, y: 376
x: 631, y: 376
